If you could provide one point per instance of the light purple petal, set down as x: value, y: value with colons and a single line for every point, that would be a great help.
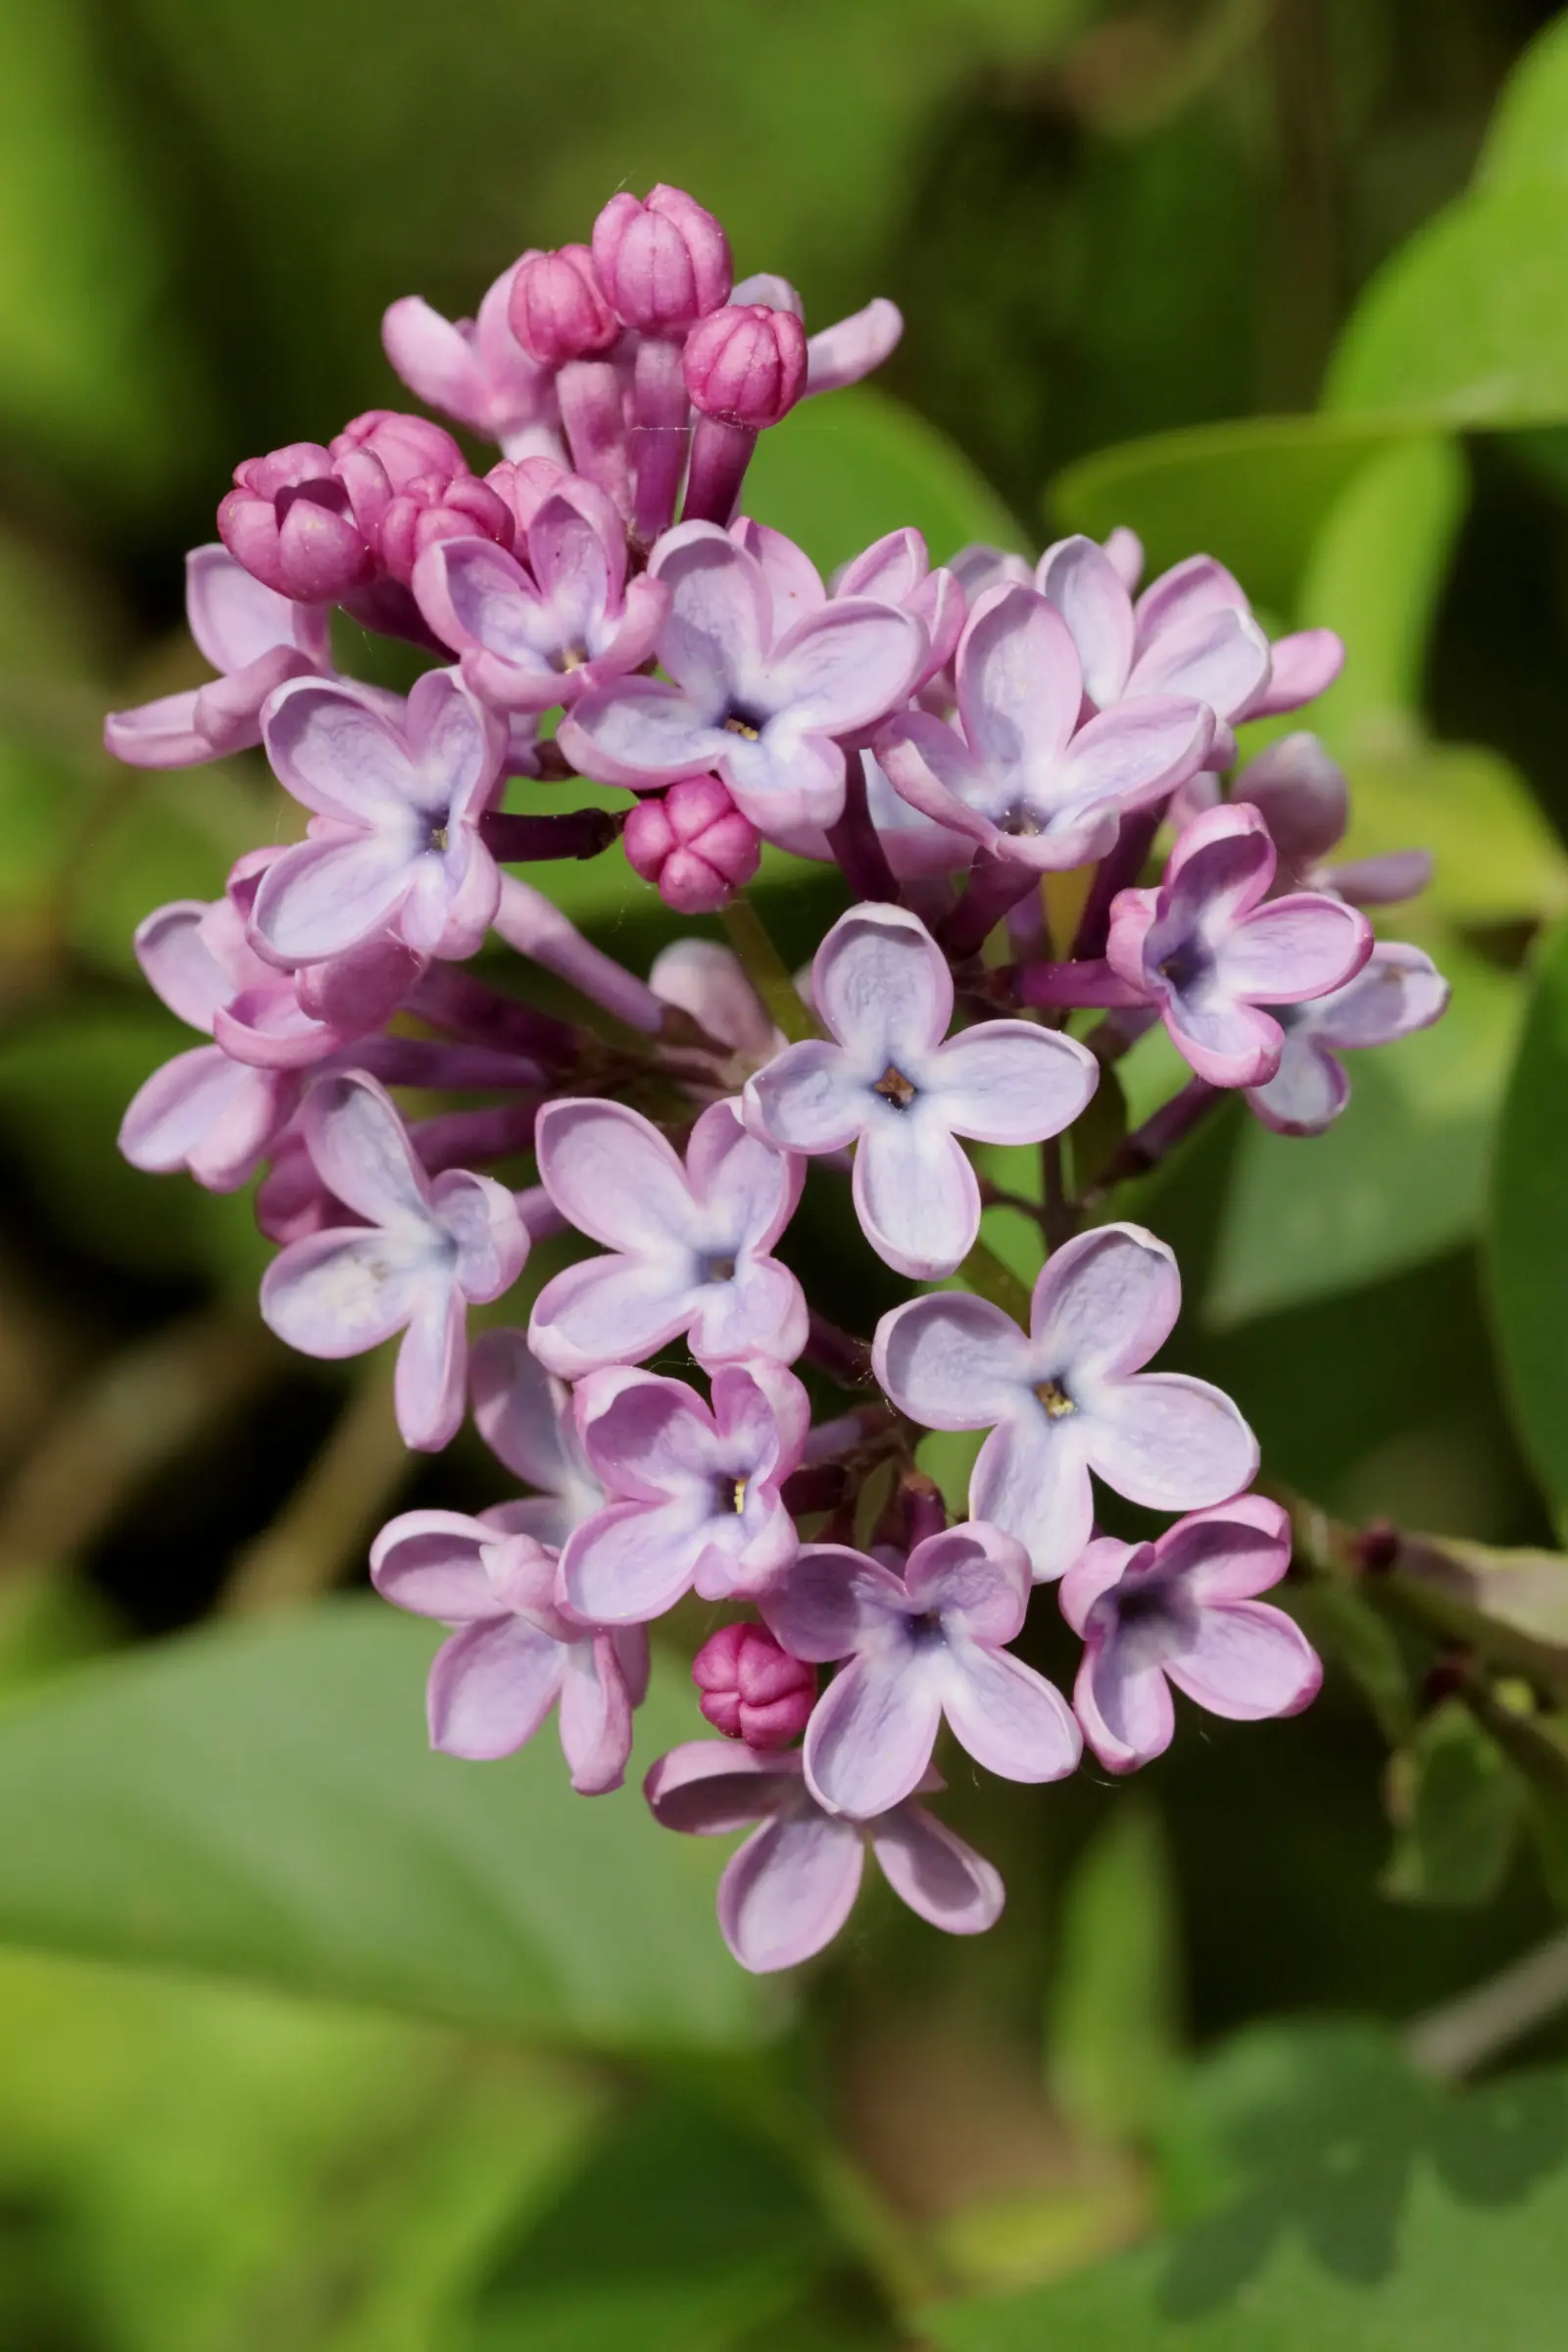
x: 976, y: 1577
x: 641, y: 732
x: 612, y: 1172
x: 1383, y: 881
x: 789, y: 1889
x: 483, y: 1219
x: 1104, y: 1303
x: 1031, y: 1479
x: 845, y: 353
x: 523, y: 1415
x: 433, y: 1368
x: 1124, y: 1706
x: 1020, y: 684
x: 808, y: 1097
x: 646, y: 1437
x: 163, y: 733
x: 934, y: 1872
x: 1295, y: 947
x: 607, y: 1312
x: 716, y: 636
x: 338, y: 754
x: 435, y: 360
x: 883, y: 986
x: 707, y: 1788
x: 1010, y: 1082
x: 1170, y: 1441
x: 915, y: 1195
x: 491, y: 1687
x: 1226, y: 1042
x: 786, y: 782
x: 629, y: 1563
x: 325, y: 895
x: 235, y: 619
x: 846, y: 665
x: 1220, y: 656
x: 1099, y: 1565
x: 706, y: 980
x: 1009, y: 1718
x: 761, y: 1312
x: 832, y: 1600
x: 953, y: 1362
x: 1135, y: 753
x: 931, y: 767
x: 179, y: 965
x: 1302, y: 667
x: 745, y: 1191
x: 1247, y: 1661
x: 1306, y: 1093
x: 1079, y: 578
x: 431, y: 1563
x: 595, y: 1717
x: 1398, y: 990
x: 361, y: 1152
x: 1231, y: 1553
x: 338, y: 1293
x: 872, y: 1733
x: 203, y: 1111
x: 794, y: 583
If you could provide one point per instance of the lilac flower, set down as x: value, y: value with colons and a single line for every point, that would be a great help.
x: 690, y: 1245
x: 789, y: 1888
x: 692, y: 1491
x: 475, y: 370
x: 1063, y: 1401
x: 887, y: 1081
x: 924, y: 1645
x: 1022, y: 778
x: 395, y: 840
x: 425, y: 1251
x: 897, y: 571
x: 1191, y: 632
x: 1183, y: 1610
x: 750, y: 1689
x: 1209, y: 948
x: 556, y: 621
x: 706, y: 980
x: 1397, y: 991
x: 759, y: 695
x: 515, y: 1653
x: 525, y: 1417
x: 254, y: 638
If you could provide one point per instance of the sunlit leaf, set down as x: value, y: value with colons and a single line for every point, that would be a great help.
x: 1113, y: 2038
x: 1456, y: 1809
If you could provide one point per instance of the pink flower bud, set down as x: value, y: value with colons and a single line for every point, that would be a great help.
x: 664, y: 264
x: 556, y: 308
x: 408, y: 447
x: 434, y: 507
x: 752, y: 1688
x: 746, y: 365
x: 694, y: 845
x: 290, y: 522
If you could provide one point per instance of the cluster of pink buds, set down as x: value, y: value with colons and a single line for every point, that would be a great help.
x: 943, y: 737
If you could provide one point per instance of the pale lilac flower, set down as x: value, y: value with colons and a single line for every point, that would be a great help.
x: 552, y: 622
x: 515, y: 1653
x: 1397, y: 991
x: 1022, y: 778
x: 789, y: 1888
x: 885, y: 1081
x: 689, y: 1244
x: 1184, y: 1610
x: 1064, y: 1400
x: 1305, y: 800
x: 395, y: 840
x: 927, y: 1644
x: 706, y: 979
x: 1210, y: 949
x: 426, y: 1252
x: 760, y: 698
x: 475, y: 370
x: 750, y: 1689
x: 917, y: 848
x: 525, y: 1417
x: 692, y: 1490
x: 254, y: 638
x: 1191, y: 632
x: 693, y: 844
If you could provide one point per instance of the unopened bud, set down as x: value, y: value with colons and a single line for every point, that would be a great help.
x: 555, y: 307
x: 746, y: 365
x: 752, y: 1688
x: 693, y: 846
x: 288, y: 519
x: 409, y: 448
x: 662, y: 265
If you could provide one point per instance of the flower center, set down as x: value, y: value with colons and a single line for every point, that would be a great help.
x: 437, y: 839
x: 1055, y: 1399
x: 737, y: 1496
x: 1020, y: 822
x: 894, y: 1087
x: 719, y: 1269
x: 1184, y: 966
x: 747, y: 724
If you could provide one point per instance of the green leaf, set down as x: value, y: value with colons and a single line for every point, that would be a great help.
x: 845, y: 468
x: 1347, y: 2204
x: 1496, y: 857
x: 1527, y: 1228
x: 1336, y: 1619
x: 1509, y: 1606
x: 1456, y: 1807
x: 1254, y: 493
x: 260, y: 1800
x: 1399, y: 1178
x: 158, y: 837
x: 1528, y: 136
x: 1112, y: 2036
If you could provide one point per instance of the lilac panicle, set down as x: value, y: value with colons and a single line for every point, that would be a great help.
x: 789, y: 1888
x: 886, y: 1081
x: 1185, y: 1611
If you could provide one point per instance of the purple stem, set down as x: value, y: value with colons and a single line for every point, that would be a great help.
x: 660, y: 435
x: 1092, y: 982
x: 528, y: 921
x: 592, y: 411
x: 1117, y: 870
x: 540, y: 1213
x: 464, y: 1139
x: 924, y: 1511
x: 721, y: 454
x: 574, y: 833
x: 857, y: 844
x: 829, y: 1439
x: 818, y: 1487
x: 450, y: 999
x: 843, y: 1358
x: 1159, y: 1136
x: 994, y: 885
x: 430, y: 1062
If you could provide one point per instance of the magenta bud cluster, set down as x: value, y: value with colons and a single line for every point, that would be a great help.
x: 683, y: 1418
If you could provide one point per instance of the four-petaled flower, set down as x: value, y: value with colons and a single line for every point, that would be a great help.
x: 690, y: 1243
x: 395, y: 838
x: 1185, y: 1610
x: 790, y: 1888
x: 888, y: 1083
x: 1024, y: 778
x: 692, y: 1490
x: 767, y: 686
x: 1210, y: 949
x: 927, y: 1644
x: 1064, y: 1400
x: 525, y: 1417
x: 515, y: 1653
x: 426, y: 1251
x: 1397, y: 991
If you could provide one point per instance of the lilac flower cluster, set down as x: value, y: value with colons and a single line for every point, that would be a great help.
x: 944, y: 737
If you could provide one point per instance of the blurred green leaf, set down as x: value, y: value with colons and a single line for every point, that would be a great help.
x: 1398, y: 1178
x: 1497, y: 858
x: 1527, y: 1228
x: 1456, y: 1807
x: 260, y: 1800
x: 1338, y: 1620
x: 1528, y: 136
x: 1340, y: 2201
x: 846, y: 468
x: 1254, y: 493
x: 1113, y: 2032
x: 157, y: 837
x: 1510, y: 1607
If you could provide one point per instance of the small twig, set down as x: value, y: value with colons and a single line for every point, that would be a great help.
x: 766, y: 970
x: 1464, y: 2034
